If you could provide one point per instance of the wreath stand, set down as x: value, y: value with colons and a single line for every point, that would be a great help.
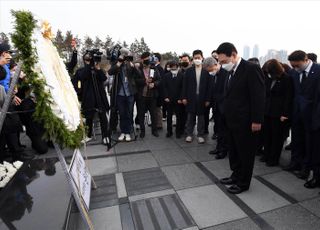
x: 76, y: 193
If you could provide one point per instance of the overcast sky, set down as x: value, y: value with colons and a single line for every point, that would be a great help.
x: 183, y: 26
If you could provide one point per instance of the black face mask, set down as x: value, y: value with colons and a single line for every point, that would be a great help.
x: 146, y: 62
x: 184, y: 64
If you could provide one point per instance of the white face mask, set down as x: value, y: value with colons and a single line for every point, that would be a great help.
x: 213, y: 73
x: 174, y: 72
x: 228, y: 67
x: 302, y: 68
x: 197, y: 62
x: 168, y: 69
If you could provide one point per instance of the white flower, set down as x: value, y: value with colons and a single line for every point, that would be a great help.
x: 51, y: 67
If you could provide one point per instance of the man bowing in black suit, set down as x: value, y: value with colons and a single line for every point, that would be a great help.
x: 244, y: 102
x: 305, y: 75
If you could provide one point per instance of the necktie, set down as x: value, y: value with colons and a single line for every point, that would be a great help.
x: 231, y: 73
x: 304, y: 78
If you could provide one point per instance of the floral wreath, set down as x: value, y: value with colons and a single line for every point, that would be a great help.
x: 57, y: 106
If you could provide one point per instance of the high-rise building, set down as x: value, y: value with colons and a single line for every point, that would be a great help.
x: 283, y: 56
x: 280, y: 55
x: 246, y: 52
x: 272, y: 54
x: 255, y: 51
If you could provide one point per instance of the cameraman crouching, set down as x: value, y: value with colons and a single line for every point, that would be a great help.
x: 124, y: 85
x: 93, y: 96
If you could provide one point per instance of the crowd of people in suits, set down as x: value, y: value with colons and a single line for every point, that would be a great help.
x: 253, y: 107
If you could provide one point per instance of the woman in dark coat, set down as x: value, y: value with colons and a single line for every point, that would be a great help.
x: 279, y: 95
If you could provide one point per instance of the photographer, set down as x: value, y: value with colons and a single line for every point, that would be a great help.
x: 124, y: 87
x: 93, y: 96
x: 147, y: 92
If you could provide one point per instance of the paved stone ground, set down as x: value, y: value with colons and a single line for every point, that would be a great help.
x: 165, y: 183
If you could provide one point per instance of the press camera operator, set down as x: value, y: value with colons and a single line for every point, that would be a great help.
x: 92, y: 94
x: 124, y: 91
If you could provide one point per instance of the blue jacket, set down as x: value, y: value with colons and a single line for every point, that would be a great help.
x: 6, y: 82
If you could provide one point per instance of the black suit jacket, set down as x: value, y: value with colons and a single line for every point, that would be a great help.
x: 304, y: 97
x: 217, y: 89
x: 189, y: 90
x: 172, y: 86
x: 141, y: 83
x: 316, y: 108
x: 244, y: 100
x: 279, y: 98
x: 87, y: 93
x: 160, y: 70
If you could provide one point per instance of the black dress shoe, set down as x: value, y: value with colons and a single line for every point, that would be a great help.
x: 221, y: 155
x: 155, y: 133
x: 22, y: 146
x: 227, y: 181
x: 303, y: 174
x: 292, y: 167
x: 313, y: 183
x: 288, y: 147
x: 263, y: 159
x: 260, y: 152
x: 215, y: 151
x: 235, y: 189
x: 272, y: 164
x: 169, y: 134
x: 142, y: 134
x: 214, y: 137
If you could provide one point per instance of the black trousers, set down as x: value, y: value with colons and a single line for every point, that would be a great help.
x: 179, y: 110
x: 34, y: 129
x: 301, y: 144
x: 206, y: 119
x: 12, y: 141
x: 274, y: 132
x: 182, y: 114
x: 315, y: 154
x: 114, y: 118
x: 89, y: 115
x: 137, y: 102
x: 242, y: 148
x: 221, y: 130
x: 164, y: 110
x: 39, y: 145
x: 215, y: 110
x: 147, y: 104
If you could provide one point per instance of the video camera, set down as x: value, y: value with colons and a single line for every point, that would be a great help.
x: 153, y: 61
x: 94, y: 55
x: 118, y: 53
